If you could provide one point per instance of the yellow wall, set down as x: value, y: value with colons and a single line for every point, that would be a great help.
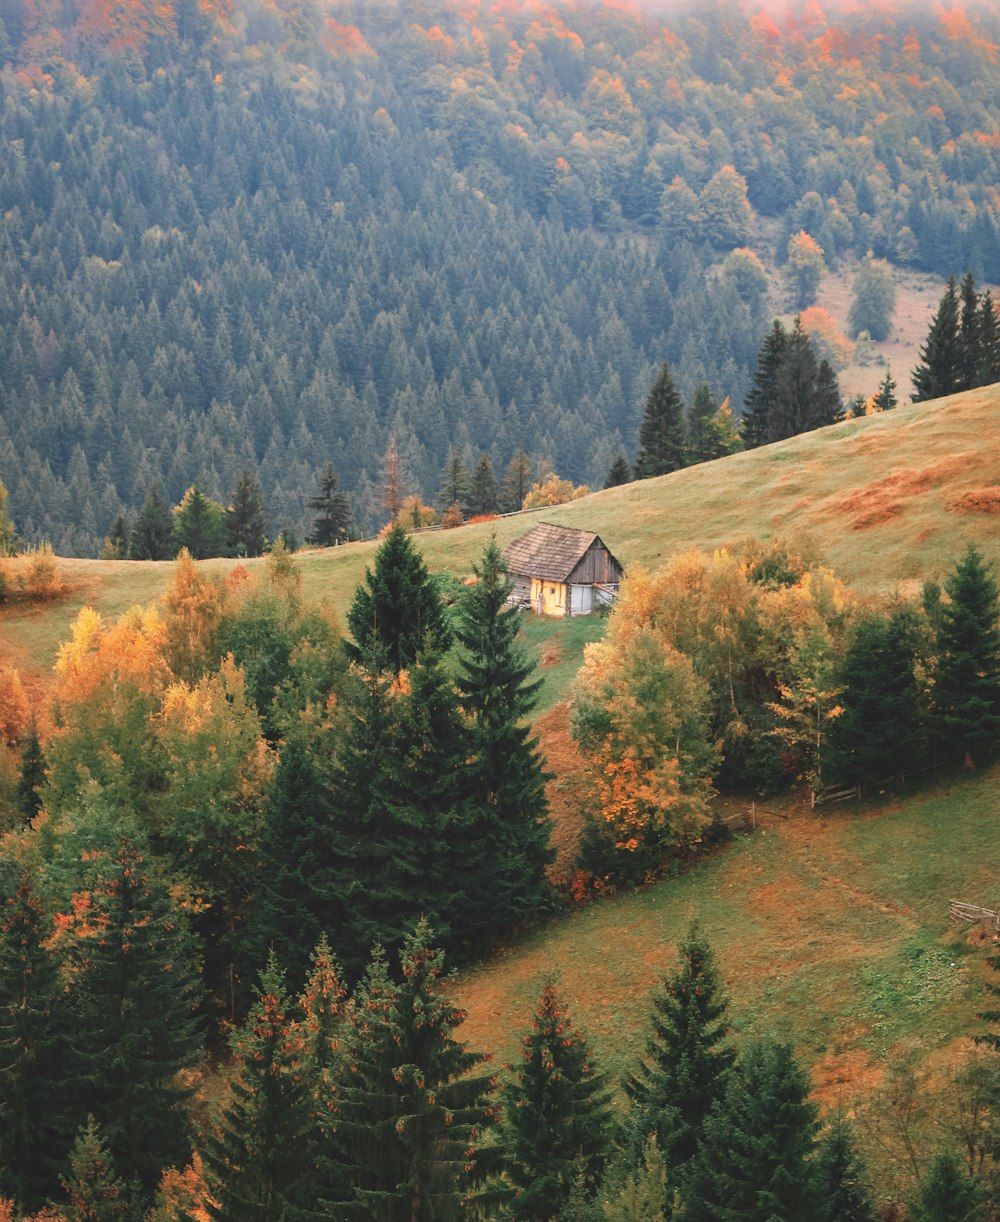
x: 548, y: 597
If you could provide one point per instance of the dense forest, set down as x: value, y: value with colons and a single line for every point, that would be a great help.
x: 267, y: 237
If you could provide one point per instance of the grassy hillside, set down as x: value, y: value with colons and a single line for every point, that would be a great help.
x: 889, y: 500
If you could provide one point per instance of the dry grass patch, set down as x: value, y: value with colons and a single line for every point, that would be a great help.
x: 981, y: 500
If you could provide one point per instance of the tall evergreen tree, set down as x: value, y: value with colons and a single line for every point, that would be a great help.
x: 30, y: 1064
x: 130, y: 1019
x: 827, y: 407
x: 755, y: 423
x: 619, y: 472
x: 687, y: 1059
x: 332, y: 507
x: 517, y: 482
x: 151, y: 533
x: 506, y: 856
x: 116, y: 542
x: 841, y: 1186
x: 794, y: 406
x: 397, y: 606
x: 32, y: 779
x: 484, y: 496
x: 886, y: 399
x: 946, y: 1193
x: 412, y: 1104
x: 970, y: 349
x: 556, y: 1114
x: 259, y: 1158
x: 989, y: 341
x: 966, y: 694
x: 246, y: 519
x: 95, y: 1192
x: 879, y: 731
x: 454, y: 482
x: 699, y: 432
x: 199, y: 525
x: 755, y: 1157
x: 940, y: 370
x: 661, y: 433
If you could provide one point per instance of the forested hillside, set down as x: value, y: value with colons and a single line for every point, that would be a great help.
x: 266, y: 236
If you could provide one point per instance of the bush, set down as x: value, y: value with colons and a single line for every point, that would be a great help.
x: 37, y: 575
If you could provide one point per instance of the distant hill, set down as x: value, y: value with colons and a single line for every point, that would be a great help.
x: 263, y: 235
x: 888, y: 500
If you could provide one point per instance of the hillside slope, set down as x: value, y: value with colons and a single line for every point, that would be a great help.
x: 888, y: 500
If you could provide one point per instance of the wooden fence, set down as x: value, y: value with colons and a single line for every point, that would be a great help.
x: 973, y: 914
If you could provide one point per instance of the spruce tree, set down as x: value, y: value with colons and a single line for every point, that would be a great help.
x: 398, y: 605
x: 332, y: 523
x: 30, y: 1062
x: 700, y: 441
x: 687, y: 1059
x: 454, y: 483
x: 31, y: 782
x: 619, y: 472
x: 556, y: 1114
x: 886, y: 399
x: 94, y: 1190
x: 946, y: 1193
x: 879, y: 732
x: 517, y: 482
x: 940, y: 370
x: 989, y: 341
x: 324, y: 1010
x: 199, y: 525
x: 151, y: 533
x: 966, y: 693
x: 412, y: 1105
x: 841, y: 1185
x: 794, y: 402
x: 116, y: 541
x: 130, y: 1019
x: 508, y: 850
x: 246, y: 518
x: 970, y: 349
x: 259, y: 1158
x: 755, y: 426
x: 826, y: 405
x: 484, y: 496
x: 661, y: 433
x: 755, y: 1157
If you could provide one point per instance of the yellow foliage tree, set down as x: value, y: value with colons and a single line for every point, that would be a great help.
x: 553, y: 491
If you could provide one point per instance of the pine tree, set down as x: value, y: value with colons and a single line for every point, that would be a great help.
x: 754, y: 1161
x: 246, y: 519
x: 507, y: 853
x: 879, y: 731
x: 841, y: 1185
x: 556, y: 1114
x: 30, y: 1064
x: 687, y: 1059
x: 939, y: 374
x: 116, y: 541
x: 989, y: 339
x: 886, y: 399
x: 259, y: 1159
x: 325, y: 1012
x: 661, y: 433
x: 130, y: 1020
x: 96, y: 1194
x: 517, y: 482
x: 397, y: 605
x: 966, y: 693
x: 31, y: 782
x: 151, y: 533
x: 755, y: 425
x: 454, y: 484
x: 970, y: 349
x: 794, y: 402
x: 700, y: 434
x: 332, y: 523
x: 826, y: 405
x: 991, y: 1039
x: 484, y: 496
x: 619, y: 472
x: 946, y: 1193
x: 199, y: 525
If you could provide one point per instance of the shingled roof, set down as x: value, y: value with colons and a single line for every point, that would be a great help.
x: 547, y: 551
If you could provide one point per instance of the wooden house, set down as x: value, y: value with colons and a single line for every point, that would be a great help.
x: 558, y: 570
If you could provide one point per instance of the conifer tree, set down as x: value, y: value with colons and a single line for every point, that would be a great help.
x: 827, y: 407
x: 412, y: 1105
x: 886, y: 399
x: 332, y: 523
x: 556, y: 1114
x: 940, y: 370
x: 509, y: 848
x: 8, y: 532
x: 484, y: 496
x: 755, y: 424
x: 95, y: 1192
x: 116, y: 542
x: 199, y: 525
x: 970, y: 350
x: 454, y: 483
x: 259, y: 1159
x: 700, y: 433
x: 989, y: 341
x: 130, y: 1020
x: 619, y: 472
x: 32, y: 779
x: 324, y: 1010
x: 517, y: 482
x: 754, y: 1161
x: 397, y: 605
x: 246, y: 518
x: 946, y: 1193
x: 966, y: 694
x: 794, y: 402
x: 687, y: 1059
x: 841, y: 1186
x: 30, y: 1064
x: 661, y: 433
x: 151, y: 533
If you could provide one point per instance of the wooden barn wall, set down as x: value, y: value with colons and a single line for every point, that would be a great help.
x: 596, y: 565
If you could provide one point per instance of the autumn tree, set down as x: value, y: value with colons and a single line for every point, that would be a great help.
x: 661, y: 433
x: 726, y: 215
x: 556, y: 1113
x: 806, y: 267
x: 397, y: 606
x: 874, y: 300
x: 332, y: 509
